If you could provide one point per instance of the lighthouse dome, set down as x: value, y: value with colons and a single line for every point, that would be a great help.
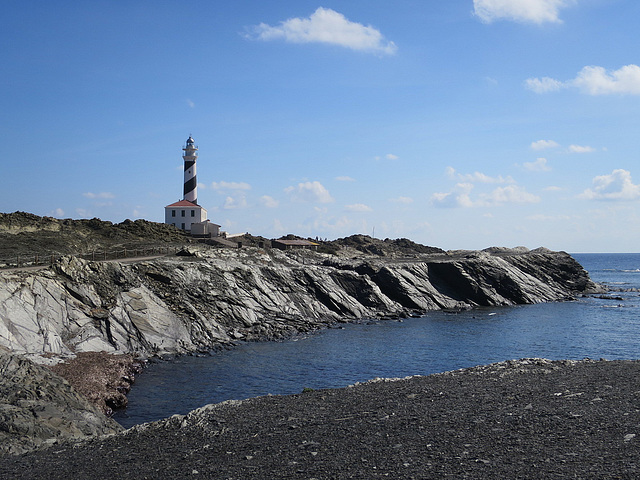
x: 190, y: 140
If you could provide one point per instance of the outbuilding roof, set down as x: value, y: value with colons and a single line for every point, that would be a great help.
x: 297, y: 243
x: 184, y: 203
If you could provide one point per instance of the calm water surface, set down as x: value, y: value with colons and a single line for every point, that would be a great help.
x: 437, y: 342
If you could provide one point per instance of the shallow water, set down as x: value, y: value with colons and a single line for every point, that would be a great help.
x: 589, y: 327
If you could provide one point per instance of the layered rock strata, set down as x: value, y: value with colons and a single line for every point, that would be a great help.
x: 206, y: 298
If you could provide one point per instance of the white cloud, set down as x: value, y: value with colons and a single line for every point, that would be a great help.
x: 597, y: 81
x: 581, y: 149
x: 594, y: 80
x: 543, y: 85
x: 218, y: 186
x: 309, y: 192
x: 326, y: 26
x: 477, y: 177
x: 358, y: 207
x: 527, y: 11
x: 508, y: 194
x: 231, y: 203
x: 553, y: 188
x: 190, y: 103
x: 58, y: 212
x: 543, y: 144
x: 404, y: 200
x: 388, y: 156
x: 345, y: 178
x: 616, y: 186
x: 269, y: 202
x: 540, y: 165
x: 337, y: 225
x: 99, y: 195
x: 459, y: 197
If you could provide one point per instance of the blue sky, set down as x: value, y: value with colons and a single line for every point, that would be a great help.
x: 458, y: 124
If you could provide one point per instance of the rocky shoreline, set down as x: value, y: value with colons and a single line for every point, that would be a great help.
x: 101, y: 319
x: 531, y: 418
x: 207, y: 298
x: 39, y: 408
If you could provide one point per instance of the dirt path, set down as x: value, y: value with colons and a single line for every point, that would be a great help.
x: 33, y: 268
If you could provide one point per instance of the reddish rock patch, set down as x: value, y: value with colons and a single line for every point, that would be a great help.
x: 103, y: 378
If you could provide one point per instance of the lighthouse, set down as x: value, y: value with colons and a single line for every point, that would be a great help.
x: 186, y: 214
x: 190, y: 183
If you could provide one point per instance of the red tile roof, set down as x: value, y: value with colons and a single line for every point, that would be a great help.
x: 183, y: 203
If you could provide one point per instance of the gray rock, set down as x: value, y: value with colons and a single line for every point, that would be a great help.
x: 39, y: 408
x: 182, y: 304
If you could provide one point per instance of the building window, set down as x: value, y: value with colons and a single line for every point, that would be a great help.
x: 182, y: 212
x: 183, y: 226
x: 173, y: 213
x: 193, y: 213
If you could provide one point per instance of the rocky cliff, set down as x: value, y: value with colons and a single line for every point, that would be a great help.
x: 206, y: 297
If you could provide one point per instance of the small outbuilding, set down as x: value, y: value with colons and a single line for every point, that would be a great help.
x: 205, y: 229
x: 294, y: 244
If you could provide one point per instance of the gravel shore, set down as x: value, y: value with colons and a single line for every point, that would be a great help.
x: 518, y: 419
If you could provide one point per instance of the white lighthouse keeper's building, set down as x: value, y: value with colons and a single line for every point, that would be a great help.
x: 186, y: 214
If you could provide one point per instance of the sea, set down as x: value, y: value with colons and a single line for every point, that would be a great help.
x: 590, y: 327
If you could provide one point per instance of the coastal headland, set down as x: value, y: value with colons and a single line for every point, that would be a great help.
x: 200, y: 298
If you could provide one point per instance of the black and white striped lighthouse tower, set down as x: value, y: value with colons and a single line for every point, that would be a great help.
x: 190, y: 183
